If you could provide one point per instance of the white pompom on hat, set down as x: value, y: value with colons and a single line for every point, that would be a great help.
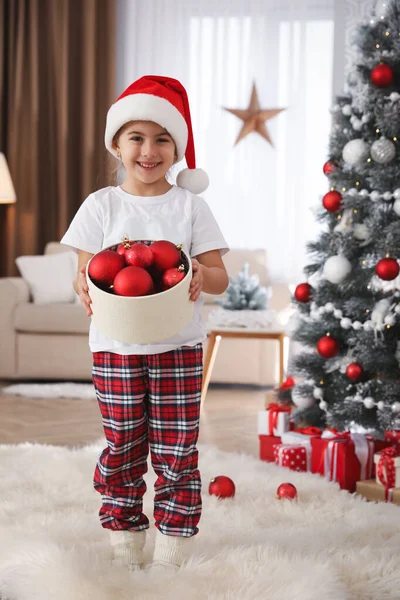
x: 164, y: 101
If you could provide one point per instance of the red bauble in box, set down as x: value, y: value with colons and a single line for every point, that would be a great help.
x: 222, y: 487
x: 387, y: 269
x: 172, y: 276
x: 329, y: 167
x: 332, y: 201
x: 104, y: 266
x: 354, y: 371
x: 122, y: 248
x: 382, y: 75
x: 165, y: 255
x: 302, y: 292
x: 328, y: 347
x: 286, y: 491
x: 139, y: 255
x: 133, y: 281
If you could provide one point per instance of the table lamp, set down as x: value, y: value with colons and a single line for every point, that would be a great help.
x: 7, y: 191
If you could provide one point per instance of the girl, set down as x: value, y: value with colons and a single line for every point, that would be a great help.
x: 149, y: 395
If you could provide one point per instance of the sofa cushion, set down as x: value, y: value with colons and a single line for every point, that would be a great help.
x: 50, y: 277
x: 51, y: 318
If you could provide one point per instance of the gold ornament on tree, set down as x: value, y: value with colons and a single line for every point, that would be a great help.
x: 254, y: 118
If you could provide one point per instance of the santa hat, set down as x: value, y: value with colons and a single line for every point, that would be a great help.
x: 164, y: 101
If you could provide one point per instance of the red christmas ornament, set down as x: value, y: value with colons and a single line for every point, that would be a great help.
x: 327, y: 346
x: 332, y: 201
x: 302, y: 292
x: 104, y: 266
x: 329, y: 167
x: 382, y: 75
x: 222, y: 487
x: 173, y: 276
x: 139, y: 255
x: 133, y: 281
x: 165, y: 255
x: 286, y: 491
x: 387, y: 269
x: 122, y: 248
x: 354, y: 371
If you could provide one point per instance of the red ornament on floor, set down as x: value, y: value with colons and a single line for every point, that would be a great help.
x: 165, y: 255
x: 302, y: 292
x: 172, y: 277
x: 354, y: 371
x: 328, y: 347
x: 332, y: 201
x: 222, y: 487
x: 329, y: 167
x: 133, y: 281
x: 139, y: 255
x: 387, y: 269
x: 382, y: 75
x: 104, y: 266
x: 286, y: 491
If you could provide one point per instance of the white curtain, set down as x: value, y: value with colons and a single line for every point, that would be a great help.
x: 260, y: 195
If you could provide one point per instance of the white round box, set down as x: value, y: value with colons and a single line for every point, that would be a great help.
x: 142, y: 319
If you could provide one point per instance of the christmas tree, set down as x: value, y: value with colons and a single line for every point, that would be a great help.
x: 245, y: 292
x: 348, y: 311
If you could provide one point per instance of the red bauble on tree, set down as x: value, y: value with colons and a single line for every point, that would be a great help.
x: 286, y: 491
x: 332, y: 201
x: 104, y: 266
x: 329, y: 167
x: 354, y: 371
x: 133, y: 281
x: 387, y: 269
x: 327, y: 346
x: 382, y: 75
x: 165, y: 255
x: 171, y: 277
x: 302, y: 292
x: 139, y: 255
x: 221, y: 486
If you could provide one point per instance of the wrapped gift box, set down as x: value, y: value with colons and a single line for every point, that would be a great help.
x: 267, y: 444
x: 343, y: 457
x: 275, y: 420
x: 376, y: 492
x: 387, y: 467
x: 291, y: 456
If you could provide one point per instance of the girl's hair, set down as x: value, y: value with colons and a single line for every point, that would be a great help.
x: 116, y: 173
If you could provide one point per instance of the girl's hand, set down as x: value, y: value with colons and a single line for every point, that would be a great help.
x: 83, y: 290
x: 196, y: 285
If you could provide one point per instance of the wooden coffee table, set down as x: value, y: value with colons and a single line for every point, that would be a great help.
x: 215, y: 336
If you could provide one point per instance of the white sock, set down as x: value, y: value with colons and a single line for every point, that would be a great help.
x: 128, y: 548
x: 171, y: 550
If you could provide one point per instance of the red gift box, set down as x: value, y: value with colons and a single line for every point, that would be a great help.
x: 291, y: 456
x: 393, y: 437
x: 343, y: 457
x: 267, y: 444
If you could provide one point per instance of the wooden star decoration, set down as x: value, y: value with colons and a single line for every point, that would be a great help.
x: 254, y: 118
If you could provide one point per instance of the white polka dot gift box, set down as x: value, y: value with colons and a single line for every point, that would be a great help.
x: 387, y: 463
x: 140, y: 304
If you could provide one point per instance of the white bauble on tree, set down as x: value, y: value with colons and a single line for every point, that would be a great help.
x: 355, y: 152
x: 396, y: 407
x: 369, y: 402
x: 396, y: 207
x: 336, y: 269
x: 300, y: 400
x: 383, y: 151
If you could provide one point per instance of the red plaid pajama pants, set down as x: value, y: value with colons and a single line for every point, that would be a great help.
x: 150, y: 401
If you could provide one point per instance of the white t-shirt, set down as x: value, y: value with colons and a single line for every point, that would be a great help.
x: 179, y: 216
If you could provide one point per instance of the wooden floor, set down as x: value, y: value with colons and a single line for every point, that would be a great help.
x: 228, y: 421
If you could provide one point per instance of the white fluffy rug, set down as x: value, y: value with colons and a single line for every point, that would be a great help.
x: 51, y: 390
x: 328, y: 545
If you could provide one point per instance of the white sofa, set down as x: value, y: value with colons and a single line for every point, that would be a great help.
x: 50, y: 341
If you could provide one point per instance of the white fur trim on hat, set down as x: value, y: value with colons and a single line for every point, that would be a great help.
x: 194, y: 180
x: 146, y: 107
